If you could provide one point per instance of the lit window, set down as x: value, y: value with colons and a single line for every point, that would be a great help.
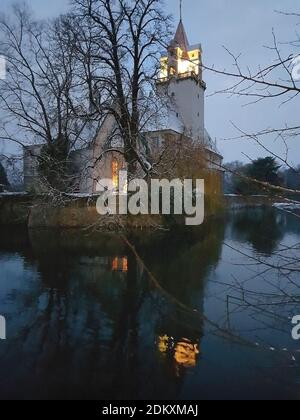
x: 125, y: 264
x: 115, y: 173
x: 115, y: 264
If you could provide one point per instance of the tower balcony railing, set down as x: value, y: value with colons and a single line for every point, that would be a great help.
x: 182, y: 76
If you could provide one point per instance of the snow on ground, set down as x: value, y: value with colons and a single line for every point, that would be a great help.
x: 290, y: 205
x: 232, y: 195
x: 12, y: 194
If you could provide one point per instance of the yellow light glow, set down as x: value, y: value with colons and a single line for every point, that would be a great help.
x: 163, y: 343
x: 186, y: 354
x: 115, y: 264
x: 194, y: 54
x: 120, y: 264
x: 125, y: 264
x: 184, y: 351
x: 183, y: 66
x: 188, y: 66
x: 180, y: 62
x: 163, y: 68
x: 115, y: 173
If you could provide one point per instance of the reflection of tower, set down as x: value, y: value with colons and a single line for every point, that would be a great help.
x: 95, y: 323
x: 178, y: 352
x: 178, y: 329
x: 180, y: 78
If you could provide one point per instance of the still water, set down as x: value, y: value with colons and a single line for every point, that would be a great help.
x: 200, y: 314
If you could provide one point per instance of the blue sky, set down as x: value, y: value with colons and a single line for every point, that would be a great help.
x: 244, y: 27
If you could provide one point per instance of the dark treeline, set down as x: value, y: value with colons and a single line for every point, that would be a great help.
x: 266, y: 170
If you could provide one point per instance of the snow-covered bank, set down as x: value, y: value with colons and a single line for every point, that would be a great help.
x: 13, y: 194
x: 288, y: 205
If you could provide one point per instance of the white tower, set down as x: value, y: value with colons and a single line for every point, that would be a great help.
x: 181, y: 78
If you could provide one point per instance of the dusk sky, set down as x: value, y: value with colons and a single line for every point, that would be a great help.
x: 243, y: 27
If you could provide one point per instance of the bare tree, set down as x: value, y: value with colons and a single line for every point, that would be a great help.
x: 119, y: 44
x: 41, y: 92
x: 276, y: 81
x: 277, y: 272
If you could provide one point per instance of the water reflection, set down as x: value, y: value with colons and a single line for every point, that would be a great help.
x: 90, y: 319
x: 183, y: 352
x: 262, y: 228
x: 87, y: 320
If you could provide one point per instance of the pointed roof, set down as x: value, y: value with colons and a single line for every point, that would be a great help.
x: 181, y: 37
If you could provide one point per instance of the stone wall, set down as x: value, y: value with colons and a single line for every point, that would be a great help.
x: 81, y: 214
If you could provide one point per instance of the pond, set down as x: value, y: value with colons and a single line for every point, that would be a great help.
x: 188, y: 314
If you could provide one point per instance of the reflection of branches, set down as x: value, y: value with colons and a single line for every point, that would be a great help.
x: 216, y: 328
x: 286, y: 265
x: 271, y: 310
x: 269, y: 296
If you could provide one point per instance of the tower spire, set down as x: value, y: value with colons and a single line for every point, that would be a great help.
x: 180, y: 7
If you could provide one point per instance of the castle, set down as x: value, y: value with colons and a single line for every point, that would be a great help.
x: 180, y: 81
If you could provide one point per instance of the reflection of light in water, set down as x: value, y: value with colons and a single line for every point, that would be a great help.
x: 186, y: 354
x: 120, y: 264
x: 184, y: 351
x: 163, y: 343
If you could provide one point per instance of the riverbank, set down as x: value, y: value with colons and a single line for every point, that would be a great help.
x: 80, y: 212
x: 234, y: 202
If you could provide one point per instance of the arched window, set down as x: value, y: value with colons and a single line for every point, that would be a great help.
x: 115, y: 172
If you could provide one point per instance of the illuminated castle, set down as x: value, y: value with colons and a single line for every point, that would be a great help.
x: 180, y: 82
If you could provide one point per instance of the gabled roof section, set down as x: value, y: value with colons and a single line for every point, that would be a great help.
x: 181, y: 37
